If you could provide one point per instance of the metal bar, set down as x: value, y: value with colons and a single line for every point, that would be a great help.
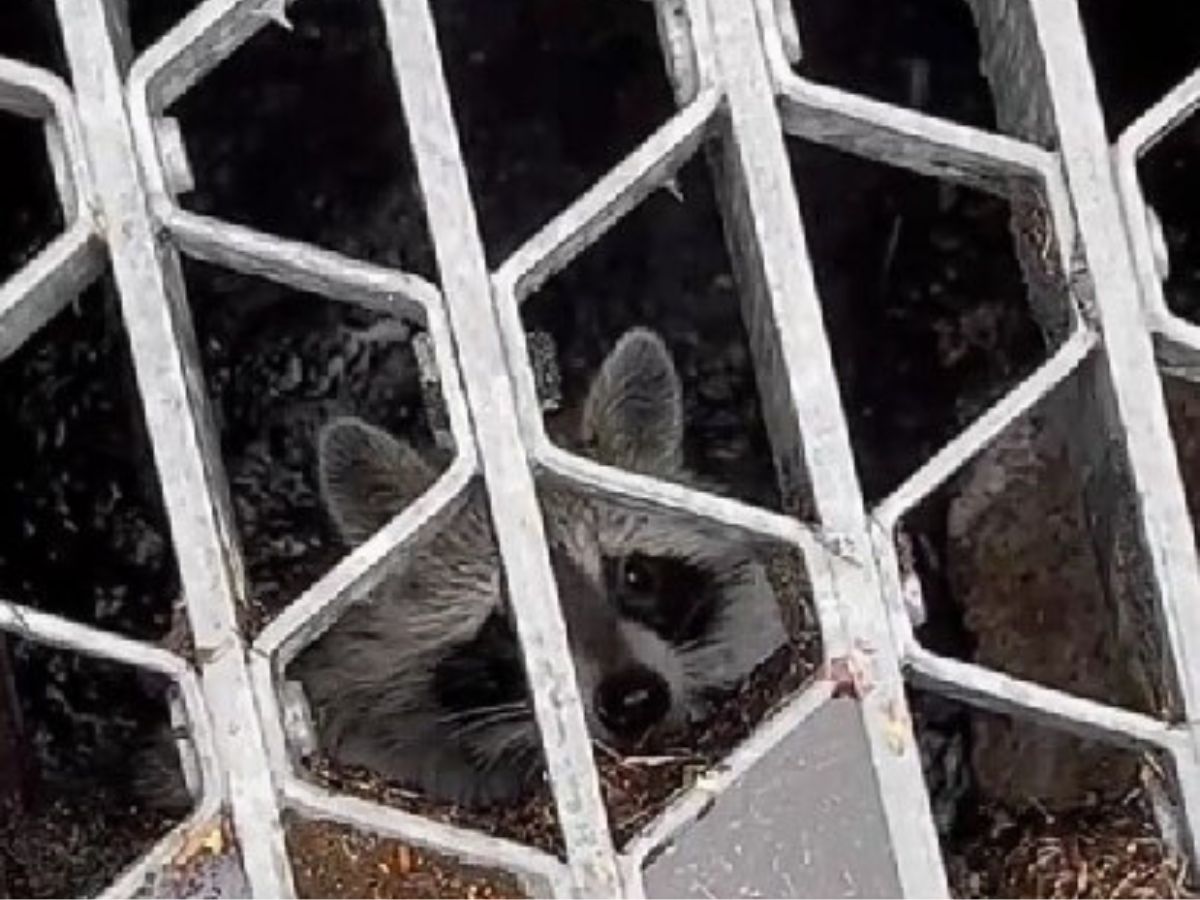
x: 355, y: 576
x: 55, y: 631
x: 1160, y: 119
x: 33, y: 93
x: 1137, y: 140
x: 582, y: 223
x: 299, y: 266
x: 904, y: 137
x: 51, y: 280
x: 990, y: 425
x: 1006, y: 694
x: 641, y: 491
x: 509, y: 481
x: 59, y: 272
x: 170, y: 383
x: 1137, y: 401
x: 690, y: 805
x: 539, y: 870
x: 195, y: 46
x: 762, y: 189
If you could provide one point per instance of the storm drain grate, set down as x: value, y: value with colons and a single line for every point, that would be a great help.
x: 1087, y: 246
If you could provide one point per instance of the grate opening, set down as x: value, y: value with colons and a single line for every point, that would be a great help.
x: 337, y: 861
x: 79, y: 819
x: 664, y: 267
x: 276, y: 138
x: 434, y: 644
x: 33, y: 215
x: 924, y: 300
x: 923, y: 54
x: 1023, y: 571
x: 29, y: 32
x: 279, y: 365
x: 83, y: 532
x: 548, y: 96
x: 1139, y: 54
x: 727, y: 621
x: 1009, y: 827
x: 1170, y: 177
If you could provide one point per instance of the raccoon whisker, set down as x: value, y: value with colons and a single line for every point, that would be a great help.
x: 478, y: 713
x: 635, y: 760
x: 475, y: 723
x: 477, y: 732
x: 511, y: 746
x: 483, y: 733
x: 606, y: 750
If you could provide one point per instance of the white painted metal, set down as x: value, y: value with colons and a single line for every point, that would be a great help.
x: 119, y: 165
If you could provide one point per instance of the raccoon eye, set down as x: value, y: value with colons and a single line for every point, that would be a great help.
x: 637, y: 575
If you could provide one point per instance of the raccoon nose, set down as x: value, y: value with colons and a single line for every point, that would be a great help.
x: 632, y: 700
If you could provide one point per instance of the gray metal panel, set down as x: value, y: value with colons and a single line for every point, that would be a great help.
x: 805, y: 822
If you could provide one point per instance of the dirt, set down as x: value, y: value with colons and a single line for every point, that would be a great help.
x: 1111, y: 850
x: 636, y: 787
x: 334, y: 860
x: 72, y: 845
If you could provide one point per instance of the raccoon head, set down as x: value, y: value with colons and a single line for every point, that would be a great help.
x: 426, y: 682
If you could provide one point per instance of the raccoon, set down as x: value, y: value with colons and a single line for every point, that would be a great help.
x: 424, y: 682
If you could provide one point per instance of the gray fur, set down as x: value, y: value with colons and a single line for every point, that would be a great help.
x: 372, y: 678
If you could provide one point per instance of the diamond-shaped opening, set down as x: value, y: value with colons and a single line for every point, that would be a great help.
x: 549, y: 95
x: 924, y: 300
x: 33, y: 215
x: 1170, y: 177
x: 716, y: 630
x: 1139, y: 53
x: 804, y: 821
x: 1024, y: 809
x: 300, y: 133
x: 334, y: 860
x: 733, y: 635
x: 664, y: 267
x: 280, y: 366
x: 83, y: 532
x: 79, y: 814
x: 395, y: 690
x: 923, y: 54
x: 1028, y: 562
x: 29, y: 33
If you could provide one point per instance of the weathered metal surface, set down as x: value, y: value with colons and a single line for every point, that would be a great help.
x: 828, y: 793
x: 806, y: 821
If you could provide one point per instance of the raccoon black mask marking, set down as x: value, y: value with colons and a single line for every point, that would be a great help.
x: 424, y: 682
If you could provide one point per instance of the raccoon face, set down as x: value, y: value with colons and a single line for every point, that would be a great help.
x: 425, y: 682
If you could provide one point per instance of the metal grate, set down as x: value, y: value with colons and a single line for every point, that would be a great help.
x: 119, y: 166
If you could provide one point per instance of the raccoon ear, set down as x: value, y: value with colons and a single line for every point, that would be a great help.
x: 633, y: 415
x: 367, y: 476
